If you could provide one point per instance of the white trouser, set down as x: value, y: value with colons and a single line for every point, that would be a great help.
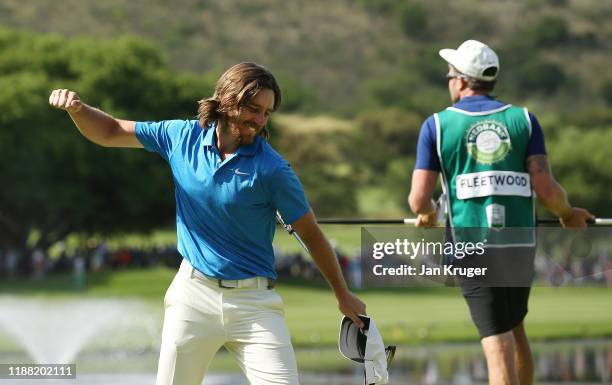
x: 200, y: 317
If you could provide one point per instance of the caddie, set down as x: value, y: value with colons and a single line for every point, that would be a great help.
x: 492, y: 159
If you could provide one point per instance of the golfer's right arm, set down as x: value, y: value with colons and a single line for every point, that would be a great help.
x: 554, y: 197
x: 94, y: 124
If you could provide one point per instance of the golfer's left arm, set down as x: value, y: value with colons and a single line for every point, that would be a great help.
x: 326, y: 260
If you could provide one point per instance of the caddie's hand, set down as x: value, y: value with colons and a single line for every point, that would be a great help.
x: 65, y: 100
x: 352, y: 307
x: 576, y: 218
x: 427, y: 220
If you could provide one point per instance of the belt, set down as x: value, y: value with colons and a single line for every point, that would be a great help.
x: 248, y: 283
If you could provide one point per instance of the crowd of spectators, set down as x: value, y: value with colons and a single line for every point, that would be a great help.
x: 95, y: 257
x: 567, y: 269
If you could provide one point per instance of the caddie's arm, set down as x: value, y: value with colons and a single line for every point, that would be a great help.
x: 94, y: 124
x: 552, y: 194
x: 421, y: 200
x: 326, y: 260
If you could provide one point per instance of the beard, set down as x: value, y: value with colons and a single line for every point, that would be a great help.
x: 244, y: 132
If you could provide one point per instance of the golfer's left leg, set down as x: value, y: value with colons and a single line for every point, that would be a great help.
x: 258, y: 337
x: 518, y: 304
x: 523, y: 358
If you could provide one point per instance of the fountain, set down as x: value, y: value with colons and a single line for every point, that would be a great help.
x: 55, y: 331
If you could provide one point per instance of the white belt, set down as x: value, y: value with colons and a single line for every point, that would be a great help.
x: 247, y: 283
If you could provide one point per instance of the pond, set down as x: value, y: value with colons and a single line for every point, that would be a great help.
x: 568, y: 362
x: 117, y: 342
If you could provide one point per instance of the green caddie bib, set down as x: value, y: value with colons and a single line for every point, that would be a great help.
x: 484, y: 174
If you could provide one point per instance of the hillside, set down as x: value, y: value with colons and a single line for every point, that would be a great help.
x: 358, y: 76
x: 347, y: 55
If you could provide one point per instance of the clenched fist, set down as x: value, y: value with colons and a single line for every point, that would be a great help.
x: 66, y: 100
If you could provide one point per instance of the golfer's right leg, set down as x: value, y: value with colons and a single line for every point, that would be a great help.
x: 499, y: 352
x: 192, y: 331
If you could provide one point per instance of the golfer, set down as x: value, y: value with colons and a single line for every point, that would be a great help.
x: 491, y: 156
x: 229, y: 185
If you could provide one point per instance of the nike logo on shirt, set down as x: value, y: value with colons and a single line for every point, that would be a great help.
x: 238, y: 172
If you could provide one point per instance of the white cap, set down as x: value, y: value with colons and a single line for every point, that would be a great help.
x: 365, y: 346
x: 375, y: 359
x: 474, y: 59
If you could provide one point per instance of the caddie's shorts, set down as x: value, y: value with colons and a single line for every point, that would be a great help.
x: 498, y: 301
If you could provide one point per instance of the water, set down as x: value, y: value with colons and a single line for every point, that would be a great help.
x: 586, y: 362
x: 576, y: 362
x: 56, y: 331
x: 117, y: 342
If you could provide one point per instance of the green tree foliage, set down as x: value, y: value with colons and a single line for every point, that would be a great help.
x: 381, y: 137
x: 580, y: 161
x: 334, y: 50
x: 296, y: 96
x: 379, y: 6
x: 413, y: 19
x: 605, y: 90
x: 396, y: 181
x: 55, y: 181
x: 594, y: 117
x: 536, y: 75
x: 383, y: 149
x: 549, y: 31
x: 320, y: 160
x: 557, y: 3
x: 384, y: 92
x: 374, y: 62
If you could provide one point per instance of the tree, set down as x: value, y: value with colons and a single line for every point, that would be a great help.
x: 536, y: 75
x: 579, y: 161
x: 320, y: 158
x: 383, y: 136
x: 549, y: 31
x: 605, y: 89
x: 413, y: 19
x: 55, y: 181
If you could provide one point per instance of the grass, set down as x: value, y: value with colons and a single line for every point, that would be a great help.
x: 375, y: 201
x: 405, y: 316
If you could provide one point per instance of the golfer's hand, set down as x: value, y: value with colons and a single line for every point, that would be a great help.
x: 352, y: 307
x: 576, y: 218
x: 65, y: 100
x: 427, y: 220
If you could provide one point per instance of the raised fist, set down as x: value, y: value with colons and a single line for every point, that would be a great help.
x: 66, y: 100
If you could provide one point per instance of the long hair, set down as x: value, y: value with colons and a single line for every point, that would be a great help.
x: 236, y: 88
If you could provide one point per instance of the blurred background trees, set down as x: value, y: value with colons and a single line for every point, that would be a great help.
x: 53, y: 180
x: 358, y: 79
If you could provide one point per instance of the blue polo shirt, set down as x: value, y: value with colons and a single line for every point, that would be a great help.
x: 225, y: 209
x: 427, y: 155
